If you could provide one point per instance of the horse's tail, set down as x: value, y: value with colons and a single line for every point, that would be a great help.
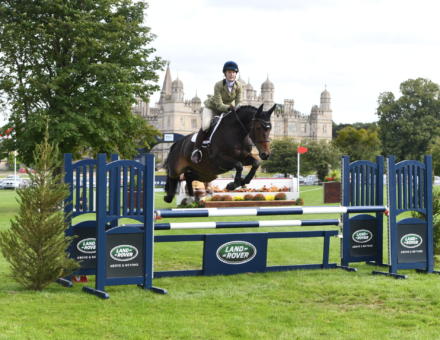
x: 166, y: 163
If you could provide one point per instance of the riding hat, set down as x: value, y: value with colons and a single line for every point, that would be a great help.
x: 230, y: 65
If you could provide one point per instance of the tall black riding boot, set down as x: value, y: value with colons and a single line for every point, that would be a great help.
x: 196, y: 156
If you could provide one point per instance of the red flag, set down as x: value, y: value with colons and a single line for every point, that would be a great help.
x: 302, y: 149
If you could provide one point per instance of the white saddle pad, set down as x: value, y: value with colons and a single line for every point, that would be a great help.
x: 194, y: 137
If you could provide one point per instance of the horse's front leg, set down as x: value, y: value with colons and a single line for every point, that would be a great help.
x: 255, y: 163
x: 237, y: 179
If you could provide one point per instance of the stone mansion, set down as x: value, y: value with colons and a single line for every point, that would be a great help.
x: 175, y: 114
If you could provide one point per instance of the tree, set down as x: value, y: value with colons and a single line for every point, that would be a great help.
x: 434, y: 150
x: 359, y: 125
x: 358, y: 143
x: 321, y: 157
x: 283, y: 157
x: 79, y: 64
x: 408, y: 124
x: 35, y: 245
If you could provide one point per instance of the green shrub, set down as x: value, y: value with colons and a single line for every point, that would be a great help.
x: 248, y: 197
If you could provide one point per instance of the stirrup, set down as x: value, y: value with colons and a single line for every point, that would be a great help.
x: 196, y: 156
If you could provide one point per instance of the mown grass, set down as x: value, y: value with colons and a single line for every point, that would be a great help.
x: 313, y: 304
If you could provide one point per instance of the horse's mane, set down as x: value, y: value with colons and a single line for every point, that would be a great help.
x: 247, y: 108
x: 243, y: 111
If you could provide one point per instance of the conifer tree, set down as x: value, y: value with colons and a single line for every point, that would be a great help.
x: 35, y: 245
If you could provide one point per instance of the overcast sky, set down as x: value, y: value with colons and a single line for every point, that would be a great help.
x: 357, y: 48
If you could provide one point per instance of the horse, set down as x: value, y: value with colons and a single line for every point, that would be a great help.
x: 230, y: 148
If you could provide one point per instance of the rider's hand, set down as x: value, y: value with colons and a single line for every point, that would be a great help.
x: 232, y: 108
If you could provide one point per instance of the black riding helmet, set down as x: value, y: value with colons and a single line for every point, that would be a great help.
x: 230, y: 65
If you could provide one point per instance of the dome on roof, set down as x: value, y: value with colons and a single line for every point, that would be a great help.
x: 196, y: 100
x: 241, y: 81
x: 315, y: 108
x: 249, y: 87
x: 325, y: 94
x: 267, y: 85
x: 177, y: 84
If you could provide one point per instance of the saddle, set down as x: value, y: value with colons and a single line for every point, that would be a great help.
x: 215, y: 122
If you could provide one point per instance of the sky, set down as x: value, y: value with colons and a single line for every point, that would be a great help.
x: 356, y: 49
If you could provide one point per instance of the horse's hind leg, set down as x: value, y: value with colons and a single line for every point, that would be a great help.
x: 189, y: 178
x: 170, y: 189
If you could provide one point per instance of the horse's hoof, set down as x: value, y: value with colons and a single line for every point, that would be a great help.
x: 168, y: 199
x: 231, y: 186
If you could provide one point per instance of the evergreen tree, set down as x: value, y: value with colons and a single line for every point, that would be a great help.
x: 35, y: 245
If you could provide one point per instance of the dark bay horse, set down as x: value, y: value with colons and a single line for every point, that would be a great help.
x: 230, y: 148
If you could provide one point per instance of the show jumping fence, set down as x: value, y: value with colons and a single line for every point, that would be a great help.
x: 123, y: 254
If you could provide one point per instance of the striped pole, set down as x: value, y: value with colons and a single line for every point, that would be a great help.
x: 243, y: 224
x: 265, y: 211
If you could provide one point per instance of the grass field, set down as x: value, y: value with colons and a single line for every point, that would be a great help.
x: 314, y: 304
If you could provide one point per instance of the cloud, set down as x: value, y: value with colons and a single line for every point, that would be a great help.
x: 357, y: 48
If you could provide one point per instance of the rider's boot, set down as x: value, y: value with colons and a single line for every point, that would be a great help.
x: 196, y: 156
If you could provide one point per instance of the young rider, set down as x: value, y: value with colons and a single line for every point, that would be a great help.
x: 227, y: 96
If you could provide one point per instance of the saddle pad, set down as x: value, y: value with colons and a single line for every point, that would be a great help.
x: 194, y: 137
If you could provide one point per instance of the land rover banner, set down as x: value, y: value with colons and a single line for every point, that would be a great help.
x: 125, y: 255
x: 363, y: 240
x: 84, y: 247
x: 231, y: 254
x: 411, y: 242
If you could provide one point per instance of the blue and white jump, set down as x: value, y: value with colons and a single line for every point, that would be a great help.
x: 265, y: 211
x: 124, y: 254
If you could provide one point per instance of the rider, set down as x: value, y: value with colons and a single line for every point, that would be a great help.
x: 227, y: 96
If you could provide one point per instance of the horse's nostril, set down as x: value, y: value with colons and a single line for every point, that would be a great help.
x: 264, y: 156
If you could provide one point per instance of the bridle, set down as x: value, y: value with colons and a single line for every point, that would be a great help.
x: 264, y: 123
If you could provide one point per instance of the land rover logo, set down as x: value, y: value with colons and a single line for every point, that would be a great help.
x: 124, y: 253
x: 236, y: 252
x: 87, y: 245
x: 411, y: 240
x: 362, y: 236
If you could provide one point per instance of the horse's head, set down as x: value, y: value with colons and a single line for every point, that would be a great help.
x: 260, y: 130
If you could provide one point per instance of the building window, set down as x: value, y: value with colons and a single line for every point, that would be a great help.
x: 291, y: 128
x: 182, y: 122
x: 304, y: 128
x: 193, y: 123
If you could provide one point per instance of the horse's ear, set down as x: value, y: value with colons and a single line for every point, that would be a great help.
x: 260, y: 110
x: 271, y: 110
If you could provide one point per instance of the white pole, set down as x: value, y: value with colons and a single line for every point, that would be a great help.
x: 15, y: 168
x: 297, y: 177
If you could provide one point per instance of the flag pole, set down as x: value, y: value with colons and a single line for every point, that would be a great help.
x: 297, y: 168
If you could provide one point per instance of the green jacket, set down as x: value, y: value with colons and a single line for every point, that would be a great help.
x: 222, y: 98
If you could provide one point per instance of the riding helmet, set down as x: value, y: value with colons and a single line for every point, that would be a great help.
x: 230, y: 65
